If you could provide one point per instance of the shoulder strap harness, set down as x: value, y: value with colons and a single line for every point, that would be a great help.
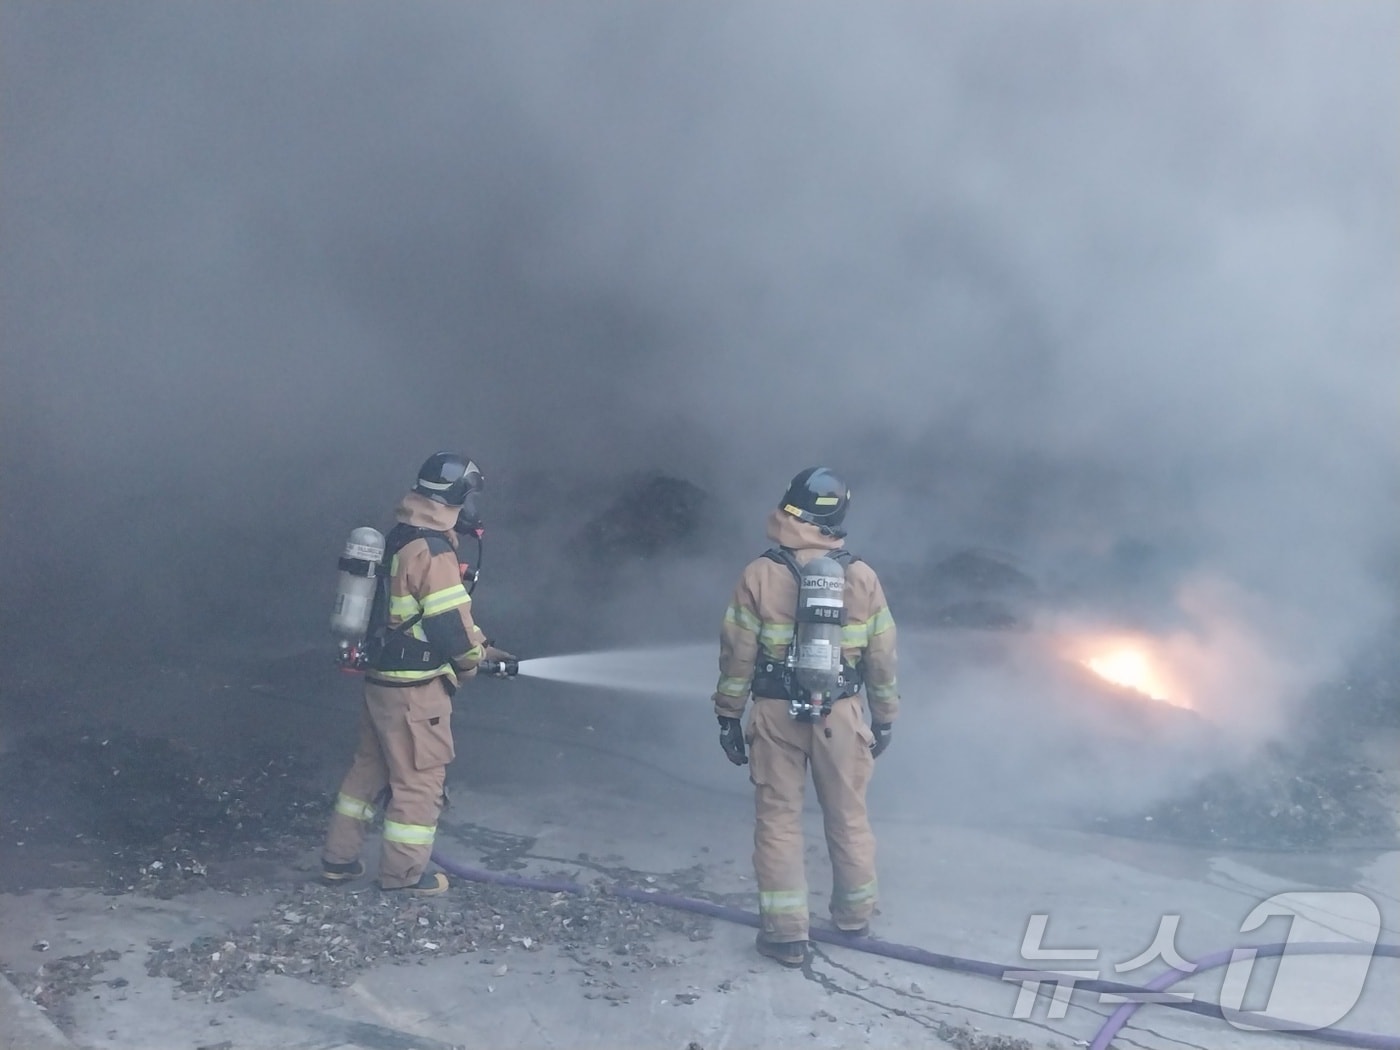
x: 395, y: 648
x: 774, y: 679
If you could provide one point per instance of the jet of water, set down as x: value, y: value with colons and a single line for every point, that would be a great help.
x: 673, y: 670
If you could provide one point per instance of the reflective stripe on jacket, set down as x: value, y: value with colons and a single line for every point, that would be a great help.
x: 425, y: 582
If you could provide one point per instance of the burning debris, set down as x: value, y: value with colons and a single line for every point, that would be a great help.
x: 1131, y: 669
x: 1324, y: 790
x: 329, y: 936
x: 1133, y: 664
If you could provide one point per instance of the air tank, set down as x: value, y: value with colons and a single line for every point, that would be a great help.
x: 355, y: 584
x: 821, y: 610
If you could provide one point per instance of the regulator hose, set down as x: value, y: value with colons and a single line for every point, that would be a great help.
x: 1153, y: 991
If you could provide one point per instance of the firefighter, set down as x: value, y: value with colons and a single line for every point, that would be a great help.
x: 422, y: 641
x: 789, y: 728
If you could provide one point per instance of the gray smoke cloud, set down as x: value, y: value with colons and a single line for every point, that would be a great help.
x: 1112, y: 288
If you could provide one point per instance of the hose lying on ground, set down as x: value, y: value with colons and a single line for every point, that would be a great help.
x: 1215, y: 960
x: 1154, y: 992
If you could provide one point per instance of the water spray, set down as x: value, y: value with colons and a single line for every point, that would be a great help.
x: 671, y: 670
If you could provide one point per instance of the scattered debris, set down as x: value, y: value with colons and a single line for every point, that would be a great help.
x: 327, y: 935
x: 964, y: 1037
x: 54, y: 984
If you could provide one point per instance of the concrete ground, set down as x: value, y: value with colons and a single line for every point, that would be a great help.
x: 590, y: 783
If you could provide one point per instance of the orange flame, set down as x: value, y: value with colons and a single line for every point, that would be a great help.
x: 1135, y: 664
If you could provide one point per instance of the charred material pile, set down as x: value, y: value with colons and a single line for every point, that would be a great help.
x: 1329, y: 788
x: 653, y: 515
x: 1283, y: 800
x: 971, y: 588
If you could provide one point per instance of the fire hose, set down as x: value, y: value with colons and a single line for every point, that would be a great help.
x: 1154, y: 992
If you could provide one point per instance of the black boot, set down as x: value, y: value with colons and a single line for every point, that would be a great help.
x: 790, y: 953
x: 426, y: 886
x: 333, y: 873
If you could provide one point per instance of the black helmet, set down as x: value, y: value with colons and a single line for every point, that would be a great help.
x: 817, y: 495
x: 448, y: 478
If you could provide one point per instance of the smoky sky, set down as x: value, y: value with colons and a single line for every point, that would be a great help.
x: 1068, y: 280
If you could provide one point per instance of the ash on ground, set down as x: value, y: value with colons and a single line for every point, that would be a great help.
x: 153, y: 815
x: 329, y: 935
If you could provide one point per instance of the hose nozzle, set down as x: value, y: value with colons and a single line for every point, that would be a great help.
x: 507, y: 668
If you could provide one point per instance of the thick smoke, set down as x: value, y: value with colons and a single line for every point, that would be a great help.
x: 1109, y: 287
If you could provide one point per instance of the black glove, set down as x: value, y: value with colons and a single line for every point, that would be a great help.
x: 731, y: 738
x: 883, y: 731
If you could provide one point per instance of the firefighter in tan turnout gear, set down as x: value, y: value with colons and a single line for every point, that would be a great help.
x: 807, y: 632
x: 422, y: 641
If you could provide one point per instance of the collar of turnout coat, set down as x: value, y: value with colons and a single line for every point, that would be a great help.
x: 787, y: 531
x: 419, y: 510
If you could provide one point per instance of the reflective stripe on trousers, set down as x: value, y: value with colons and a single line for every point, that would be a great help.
x: 354, y: 808
x: 405, y: 743
x: 859, y: 896
x: 409, y: 834
x: 776, y: 902
x: 781, y: 750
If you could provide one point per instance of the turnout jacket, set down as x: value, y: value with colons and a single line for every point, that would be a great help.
x: 760, y: 620
x: 425, y: 581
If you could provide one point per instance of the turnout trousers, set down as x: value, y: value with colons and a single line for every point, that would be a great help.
x: 838, y: 751
x: 404, y: 749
